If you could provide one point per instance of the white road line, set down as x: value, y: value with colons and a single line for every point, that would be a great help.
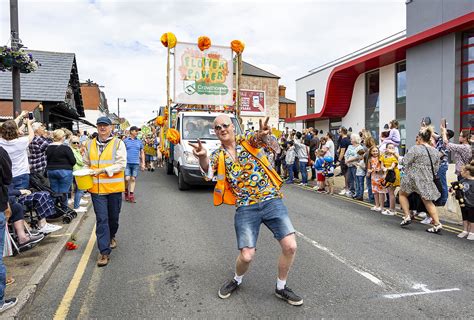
x: 365, y: 274
x: 408, y: 294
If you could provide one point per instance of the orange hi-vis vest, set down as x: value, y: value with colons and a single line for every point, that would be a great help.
x: 223, y: 192
x: 103, y: 184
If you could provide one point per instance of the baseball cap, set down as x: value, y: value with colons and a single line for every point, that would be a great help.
x: 132, y: 128
x: 104, y: 120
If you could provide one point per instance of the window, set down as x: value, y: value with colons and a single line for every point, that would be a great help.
x: 202, y: 127
x: 372, y: 103
x: 310, y: 102
x: 467, y: 82
x: 400, y: 106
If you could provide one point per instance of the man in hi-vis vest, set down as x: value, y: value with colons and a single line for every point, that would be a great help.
x: 106, y: 155
x: 245, y: 178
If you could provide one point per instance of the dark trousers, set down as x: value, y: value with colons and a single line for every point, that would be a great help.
x: 107, y: 210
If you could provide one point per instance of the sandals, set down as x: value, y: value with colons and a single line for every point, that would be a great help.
x: 406, y: 221
x: 435, y: 229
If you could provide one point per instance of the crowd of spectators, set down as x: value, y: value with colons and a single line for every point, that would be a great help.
x: 375, y: 171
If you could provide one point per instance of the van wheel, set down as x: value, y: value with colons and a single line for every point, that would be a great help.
x: 182, y: 185
x: 169, y: 168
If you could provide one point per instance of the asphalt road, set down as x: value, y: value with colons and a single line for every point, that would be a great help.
x: 175, y: 250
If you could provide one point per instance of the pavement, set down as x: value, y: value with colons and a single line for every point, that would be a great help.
x: 175, y: 249
x: 445, y: 215
x: 32, y: 268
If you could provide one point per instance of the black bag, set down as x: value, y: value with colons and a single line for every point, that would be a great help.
x: 436, y: 180
x: 390, y: 176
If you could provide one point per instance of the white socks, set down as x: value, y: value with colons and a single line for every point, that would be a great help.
x: 280, y: 284
x: 238, y: 278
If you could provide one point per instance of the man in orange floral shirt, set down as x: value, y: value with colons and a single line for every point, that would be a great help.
x: 246, y: 178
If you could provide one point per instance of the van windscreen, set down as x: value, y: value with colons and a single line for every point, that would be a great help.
x: 202, y: 127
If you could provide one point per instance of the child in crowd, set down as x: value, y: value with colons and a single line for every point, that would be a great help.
x: 318, y: 166
x: 467, y: 182
x: 328, y: 173
x: 390, y: 163
x: 290, y: 161
x: 375, y: 169
x: 360, y: 176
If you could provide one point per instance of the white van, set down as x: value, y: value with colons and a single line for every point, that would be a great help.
x: 193, y: 125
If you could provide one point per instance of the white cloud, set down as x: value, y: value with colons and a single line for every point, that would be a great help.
x: 117, y: 42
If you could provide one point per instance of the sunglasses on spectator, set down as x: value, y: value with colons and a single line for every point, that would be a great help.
x: 75, y: 142
x: 222, y: 126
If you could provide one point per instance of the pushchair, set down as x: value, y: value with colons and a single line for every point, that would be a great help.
x: 37, y: 183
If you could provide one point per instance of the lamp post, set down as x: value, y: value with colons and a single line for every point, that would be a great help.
x: 16, y: 44
x: 118, y: 106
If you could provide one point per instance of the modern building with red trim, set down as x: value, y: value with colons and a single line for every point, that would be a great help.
x: 427, y: 71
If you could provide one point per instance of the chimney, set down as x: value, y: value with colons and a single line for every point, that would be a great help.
x: 281, y: 91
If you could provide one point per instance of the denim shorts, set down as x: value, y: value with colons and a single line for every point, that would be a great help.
x: 272, y: 213
x: 131, y: 170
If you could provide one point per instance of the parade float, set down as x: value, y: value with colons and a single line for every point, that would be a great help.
x: 203, y: 87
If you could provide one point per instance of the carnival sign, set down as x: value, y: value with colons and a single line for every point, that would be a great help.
x: 203, y: 77
x: 252, y: 102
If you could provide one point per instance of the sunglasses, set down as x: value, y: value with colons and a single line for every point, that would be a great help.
x: 222, y: 126
x: 75, y: 143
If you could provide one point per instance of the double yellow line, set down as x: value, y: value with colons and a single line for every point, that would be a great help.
x: 65, y: 305
x: 368, y: 205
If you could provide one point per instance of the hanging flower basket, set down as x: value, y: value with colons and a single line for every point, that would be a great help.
x: 10, y: 58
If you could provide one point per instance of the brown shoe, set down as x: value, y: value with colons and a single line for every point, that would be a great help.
x: 113, y: 243
x: 103, y: 260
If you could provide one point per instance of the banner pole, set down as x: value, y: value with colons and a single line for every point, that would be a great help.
x: 238, y: 74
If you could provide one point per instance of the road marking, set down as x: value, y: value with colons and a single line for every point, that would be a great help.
x: 363, y: 273
x: 421, y: 287
x: 368, y: 205
x: 151, y: 279
x: 63, y: 309
x: 91, y: 293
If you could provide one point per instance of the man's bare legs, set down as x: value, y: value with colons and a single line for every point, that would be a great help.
x: 288, y: 253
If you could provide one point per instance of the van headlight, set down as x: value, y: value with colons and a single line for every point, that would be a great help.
x: 189, y: 158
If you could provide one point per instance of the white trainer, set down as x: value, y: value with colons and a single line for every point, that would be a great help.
x: 81, y: 210
x: 343, y: 192
x: 83, y: 202
x: 388, y: 212
x: 427, y: 220
x: 463, y: 234
x: 422, y: 215
x: 48, y: 228
x: 470, y: 236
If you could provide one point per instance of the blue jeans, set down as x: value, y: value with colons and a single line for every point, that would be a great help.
x: 359, y: 186
x: 442, y: 177
x: 370, y: 194
x: 304, y: 172
x: 3, y: 270
x: 291, y: 174
x: 272, y: 213
x: 351, y: 178
x: 107, y: 210
x: 21, y: 182
x: 77, y: 196
x: 60, y: 181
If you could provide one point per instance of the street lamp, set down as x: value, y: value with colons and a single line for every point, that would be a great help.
x: 118, y: 106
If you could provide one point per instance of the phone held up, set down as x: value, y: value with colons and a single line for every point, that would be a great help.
x: 30, y: 116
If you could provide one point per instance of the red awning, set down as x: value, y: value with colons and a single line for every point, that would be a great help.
x: 343, y: 77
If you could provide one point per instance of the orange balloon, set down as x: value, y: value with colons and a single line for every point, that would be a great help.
x: 237, y: 46
x: 173, y: 136
x: 160, y: 121
x: 204, y: 43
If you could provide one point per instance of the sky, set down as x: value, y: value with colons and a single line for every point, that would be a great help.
x: 117, y: 43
